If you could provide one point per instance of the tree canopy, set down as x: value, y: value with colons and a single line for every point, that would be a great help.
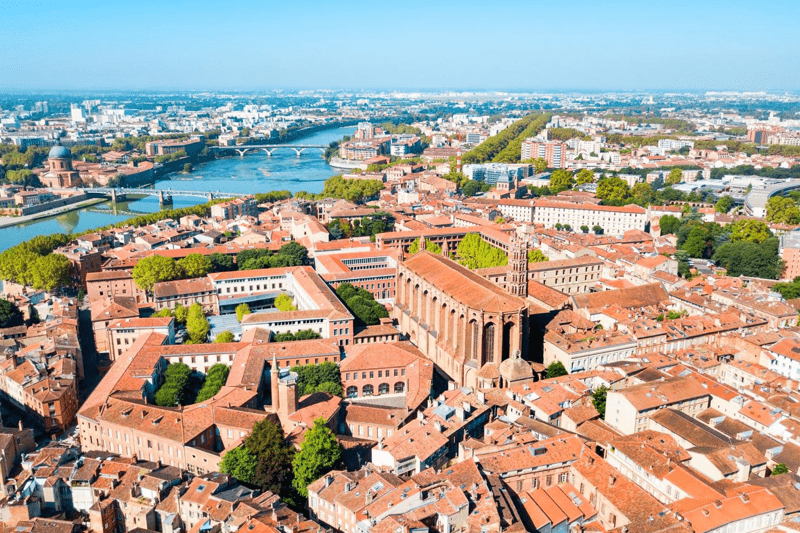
x: 555, y: 369
x: 474, y: 252
x: 429, y: 245
x: 319, y: 453
x: 10, y: 315
x: 783, y: 210
x: 154, y: 269
x: 195, y: 265
x: 284, y: 303
x: 599, y: 396
x: 613, y: 190
x: 320, y: 377
x: 361, y: 303
x: 197, y: 326
x: 223, y: 337
x: 561, y: 180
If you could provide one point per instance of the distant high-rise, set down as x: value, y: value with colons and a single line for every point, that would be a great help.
x: 554, y: 152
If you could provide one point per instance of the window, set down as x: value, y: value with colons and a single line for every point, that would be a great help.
x: 399, y: 387
x: 352, y: 392
x: 366, y: 390
x: 383, y: 388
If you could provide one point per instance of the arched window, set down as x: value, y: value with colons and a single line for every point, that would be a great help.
x: 383, y: 388
x: 399, y: 387
x: 366, y: 390
x: 488, y: 343
x: 352, y: 391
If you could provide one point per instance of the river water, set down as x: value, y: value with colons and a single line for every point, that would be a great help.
x: 253, y: 173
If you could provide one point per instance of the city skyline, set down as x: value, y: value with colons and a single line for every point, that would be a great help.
x: 514, y: 46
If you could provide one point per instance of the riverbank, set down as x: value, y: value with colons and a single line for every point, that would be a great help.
x: 13, y: 221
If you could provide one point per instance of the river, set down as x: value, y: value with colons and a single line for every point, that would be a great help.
x: 253, y: 173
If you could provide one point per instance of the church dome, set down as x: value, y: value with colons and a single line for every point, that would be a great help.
x: 59, y: 152
x: 515, y: 369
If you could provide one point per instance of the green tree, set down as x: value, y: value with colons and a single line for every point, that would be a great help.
x: 698, y: 242
x: 555, y: 369
x: 173, y: 390
x: 291, y: 254
x: 724, y: 204
x: 779, y: 469
x: 536, y: 256
x: 221, y: 262
x: 474, y: 252
x: 599, y: 397
x: 240, y: 463
x: 362, y: 304
x: 750, y: 259
x: 471, y: 188
x: 584, y: 176
x: 284, y: 303
x: 319, y: 453
x: 585, y: 228
x: 561, y: 180
x: 163, y: 313
x: 613, y: 190
x: 197, y: 326
x: 429, y: 245
x: 10, y: 315
x: 223, y: 337
x: 187, y: 168
x: 214, y: 381
x: 790, y: 290
x: 669, y: 224
x: 539, y: 165
x: 642, y: 193
x: 783, y: 210
x: 241, y: 310
x: 49, y: 272
x: 181, y: 314
x: 750, y: 230
x: 154, y: 269
x: 311, y: 378
x: 674, y: 177
x: 195, y: 265
x: 598, y: 230
x: 274, y: 455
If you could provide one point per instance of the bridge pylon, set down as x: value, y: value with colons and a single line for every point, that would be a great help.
x: 268, y: 151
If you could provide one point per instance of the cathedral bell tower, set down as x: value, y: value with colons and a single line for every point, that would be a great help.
x: 518, y: 268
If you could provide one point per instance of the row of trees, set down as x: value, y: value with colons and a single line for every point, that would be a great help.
x: 290, y: 254
x: 272, y: 196
x: 491, y: 147
x: 362, y: 304
x: 302, y: 335
x: 267, y: 460
x: 380, y: 222
x: 193, y: 317
x: 512, y: 153
x: 353, y: 190
x: 156, y: 268
x: 32, y: 263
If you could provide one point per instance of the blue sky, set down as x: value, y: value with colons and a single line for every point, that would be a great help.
x: 503, y: 45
